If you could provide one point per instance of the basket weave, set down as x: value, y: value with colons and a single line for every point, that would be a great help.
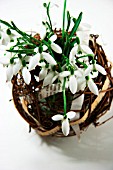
x: 37, y: 110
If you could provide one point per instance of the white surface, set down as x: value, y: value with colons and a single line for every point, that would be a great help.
x: 20, y: 150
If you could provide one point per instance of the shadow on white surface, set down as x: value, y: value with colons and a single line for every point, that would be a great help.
x: 95, y: 145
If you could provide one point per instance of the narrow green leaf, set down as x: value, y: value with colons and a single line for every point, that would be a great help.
x: 64, y: 13
x: 6, y: 23
x: 75, y: 27
x: 68, y: 21
x: 24, y: 51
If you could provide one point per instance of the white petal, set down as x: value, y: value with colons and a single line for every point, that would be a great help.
x: 54, y: 78
x: 73, y: 53
x: 42, y: 73
x: 78, y: 73
x: 65, y: 127
x: 48, y: 78
x: 71, y: 115
x: 57, y: 117
x: 88, y: 70
x: 56, y: 48
x: 6, y: 39
x: 53, y: 38
x: 64, y: 74
x: 34, y: 61
x: 9, y: 72
x: 86, y: 49
x: 100, y: 69
x: 73, y: 84
x: 49, y: 58
x: 16, y: 68
x: 94, y: 74
x: 26, y: 75
x: 44, y: 47
x: 92, y: 86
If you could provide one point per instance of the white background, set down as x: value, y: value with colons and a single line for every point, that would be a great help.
x: 20, y: 150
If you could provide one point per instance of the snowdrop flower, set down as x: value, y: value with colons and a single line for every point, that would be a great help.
x: 54, y: 46
x: 26, y: 75
x: 5, y: 38
x: 13, y: 67
x: 92, y: 86
x: 72, y: 82
x: 6, y: 61
x: 49, y: 77
x: 95, y: 67
x: 65, y: 121
x: 44, y: 70
x: 82, y: 49
x: 86, y: 80
x: 35, y: 60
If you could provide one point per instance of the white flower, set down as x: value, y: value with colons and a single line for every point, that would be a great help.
x: 86, y: 80
x: 92, y: 86
x: 5, y: 39
x: 65, y: 121
x: 80, y: 50
x: 43, y: 72
x: 50, y: 77
x: 54, y: 46
x: 26, y: 75
x: 14, y: 67
x: 34, y: 61
x: 44, y: 55
x: 48, y: 58
x: 98, y: 68
x: 72, y: 82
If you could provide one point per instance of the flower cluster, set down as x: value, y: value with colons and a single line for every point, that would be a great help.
x: 63, y: 57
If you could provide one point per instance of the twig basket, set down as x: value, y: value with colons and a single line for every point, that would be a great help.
x: 37, y: 105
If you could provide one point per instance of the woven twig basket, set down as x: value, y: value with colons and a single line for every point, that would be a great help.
x: 37, y: 105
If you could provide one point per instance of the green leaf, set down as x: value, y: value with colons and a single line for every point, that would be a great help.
x: 6, y: 23
x: 75, y: 27
x: 64, y: 12
x: 68, y: 21
x: 23, y: 51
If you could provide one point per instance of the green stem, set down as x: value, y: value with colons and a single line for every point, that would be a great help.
x: 82, y: 63
x: 87, y: 55
x: 64, y: 96
x: 23, y: 51
x: 64, y: 13
x: 49, y: 16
